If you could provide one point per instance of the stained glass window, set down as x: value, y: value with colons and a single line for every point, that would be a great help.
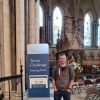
x: 98, y: 36
x: 40, y: 16
x: 87, y: 30
x: 57, y: 24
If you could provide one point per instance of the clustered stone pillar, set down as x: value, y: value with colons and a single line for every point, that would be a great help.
x: 37, y: 21
x: 6, y: 46
x: 1, y: 39
x: 20, y: 38
x: 31, y: 21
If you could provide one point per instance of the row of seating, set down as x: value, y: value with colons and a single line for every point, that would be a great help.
x: 88, y: 84
x: 81, y: 83
x: 92, y: 93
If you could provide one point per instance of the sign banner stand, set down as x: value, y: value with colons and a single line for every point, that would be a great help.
x: 38, y: 70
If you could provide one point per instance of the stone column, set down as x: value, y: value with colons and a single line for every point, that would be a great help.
x: 20, y: 38
x: 1, y: 38
x: 6, y: 43
x: 46, y: 26
x: 94, y: 34
x: 13, y: 38
x: 6, y: 38
x: 31, y: 21
x: 37, y: 21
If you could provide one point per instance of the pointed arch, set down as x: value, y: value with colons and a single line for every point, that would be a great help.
x: 57, y: 24
x: 87, y: 30
x: 40, y: 16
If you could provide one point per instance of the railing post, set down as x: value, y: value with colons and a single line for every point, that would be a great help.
x: 9, y: 88
x: 21, y: 72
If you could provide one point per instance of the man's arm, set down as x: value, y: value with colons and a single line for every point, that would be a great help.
x: 72, y: 75
x: 53, y: 79
x: 54, y: 85
x: 71, y: 84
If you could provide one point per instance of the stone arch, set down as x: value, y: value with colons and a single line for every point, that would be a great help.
x: 60, y: 7
x: 40, y: 15
x: 90, y: 14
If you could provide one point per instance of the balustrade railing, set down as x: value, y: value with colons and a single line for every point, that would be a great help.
x: 9, y: 78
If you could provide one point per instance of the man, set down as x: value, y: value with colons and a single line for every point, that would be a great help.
x: 62, y: 78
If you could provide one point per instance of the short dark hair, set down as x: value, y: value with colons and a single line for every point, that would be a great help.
x: 61, y: 54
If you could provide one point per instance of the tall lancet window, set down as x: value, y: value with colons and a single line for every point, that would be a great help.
x: 40, y: 16
x: 57, y: 24
x: 87, y: 31
x: 98, y: 36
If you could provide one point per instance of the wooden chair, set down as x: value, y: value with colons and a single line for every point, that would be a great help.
x: 97, y: 83
x: 79, y: 86
x: 89, y: 77
x: 92, y: 94
x: 88, y: 83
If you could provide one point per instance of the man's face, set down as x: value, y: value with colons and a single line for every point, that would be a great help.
x: 62, y: 59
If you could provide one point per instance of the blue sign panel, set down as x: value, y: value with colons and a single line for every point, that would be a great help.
x: 38, y: 70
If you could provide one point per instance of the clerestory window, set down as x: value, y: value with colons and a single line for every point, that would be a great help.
x: 57, y: 24
x: 40, y: 16
x: 87, y: 31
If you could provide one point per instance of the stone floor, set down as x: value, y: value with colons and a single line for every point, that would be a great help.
x: 16, y: 96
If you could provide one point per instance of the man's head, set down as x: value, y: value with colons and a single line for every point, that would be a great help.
x: 63, y: 59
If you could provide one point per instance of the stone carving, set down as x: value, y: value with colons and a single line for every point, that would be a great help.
x: 71, y: 36
x: 54, y: 52
x: 75, y: 54
x: 92, y: 55
x: 82, y: 54
x: 99, y: 54
x: 70, y: 54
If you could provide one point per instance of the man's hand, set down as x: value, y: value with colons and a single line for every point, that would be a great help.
x: 68, y: 90
x: 55, y: 89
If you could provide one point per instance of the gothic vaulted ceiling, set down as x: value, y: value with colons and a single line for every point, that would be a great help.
x: 75, y: 7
